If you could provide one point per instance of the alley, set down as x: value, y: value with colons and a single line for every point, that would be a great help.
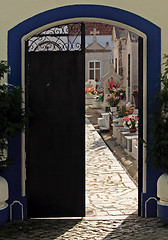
x: 109, y: 190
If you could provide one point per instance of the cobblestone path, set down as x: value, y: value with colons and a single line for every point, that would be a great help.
x: 128, y: 229
x: 109, y: 190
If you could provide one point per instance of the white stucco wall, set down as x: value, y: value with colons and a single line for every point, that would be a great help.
x: 134, y: 64
x: 15, y: 11
x: 103, y: 58
x: 115, y: 54
x: 132, y: 49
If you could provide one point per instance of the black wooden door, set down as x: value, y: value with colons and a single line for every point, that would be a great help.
x: 56, y: 134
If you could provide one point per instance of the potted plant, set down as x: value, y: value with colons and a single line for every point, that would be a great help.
x: 12, y: 121
x: 131, y: 122
x: 90, y: 95
x: 113, y: 100
x: 100, y: 94
x: 12, y: 116
x: 129, y: 108
x: 158, y: 142
x: 121, y: 93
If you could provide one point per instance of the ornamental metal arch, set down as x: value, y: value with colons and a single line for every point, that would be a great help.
x: 60, y: 38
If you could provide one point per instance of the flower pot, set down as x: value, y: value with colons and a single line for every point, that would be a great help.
x: 132, y: 130
x: 162, y: 193
x: 113, y: 109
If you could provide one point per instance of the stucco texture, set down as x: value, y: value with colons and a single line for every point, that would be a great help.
x: 16, y: 11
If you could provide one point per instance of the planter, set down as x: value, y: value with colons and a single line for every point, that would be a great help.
x: 132, y: 130
x: 113, y: 109
x: 162, y: 193
x: 4, y: 209
x: 89, y: 99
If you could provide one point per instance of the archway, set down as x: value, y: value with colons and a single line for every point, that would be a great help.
x: 151, y: 67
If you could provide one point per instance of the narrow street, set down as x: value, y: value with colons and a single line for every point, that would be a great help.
x: 109, y: 190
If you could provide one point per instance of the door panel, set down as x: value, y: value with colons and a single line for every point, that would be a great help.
x: 55, y: 138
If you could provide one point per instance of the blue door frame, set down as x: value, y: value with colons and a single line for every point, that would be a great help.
x: 15, y: 35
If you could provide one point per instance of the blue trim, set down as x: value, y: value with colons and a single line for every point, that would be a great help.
x: 78, y: 11
x: 162, y: 212
x: 4, y: 215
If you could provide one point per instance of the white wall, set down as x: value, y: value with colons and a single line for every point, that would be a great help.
x: 15, y: 11
x: 134, y: 64
x: 104, y: 58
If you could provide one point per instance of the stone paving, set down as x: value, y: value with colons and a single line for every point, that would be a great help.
x: 109, y: 190
x: 111, y: 197
x: 128, y: 229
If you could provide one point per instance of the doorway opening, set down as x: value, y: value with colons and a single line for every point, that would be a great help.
x: 151, y: 54
x: 113, y: 68
x: 61, y: 63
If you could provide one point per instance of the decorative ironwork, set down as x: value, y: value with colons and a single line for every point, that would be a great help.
x: 59, y: 38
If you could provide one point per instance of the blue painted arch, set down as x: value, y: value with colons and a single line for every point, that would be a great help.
x: 15, y: 35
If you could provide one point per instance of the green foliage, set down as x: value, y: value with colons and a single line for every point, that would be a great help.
x: 158, y: 144
x: 122, y: 111
x: 4, y: 68
x: 12, y: 115
x: 101, y: 97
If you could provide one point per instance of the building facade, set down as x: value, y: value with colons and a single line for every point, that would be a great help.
x: 98, y: 52
x: 125, y: 59
x: 135, y: 16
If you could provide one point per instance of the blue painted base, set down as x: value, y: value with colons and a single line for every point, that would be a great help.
x: 151, y: 205
x: 162, y: 212
x: 16, y: 210
x: 4, y: 215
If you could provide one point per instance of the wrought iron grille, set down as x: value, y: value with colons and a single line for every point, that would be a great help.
x: 60, y: 38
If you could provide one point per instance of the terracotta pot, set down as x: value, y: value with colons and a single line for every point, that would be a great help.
x: 132, y: 130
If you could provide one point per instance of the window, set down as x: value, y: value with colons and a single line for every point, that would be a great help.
x: 128, y: 77
x: 94, y: 70
x: 116, y: 65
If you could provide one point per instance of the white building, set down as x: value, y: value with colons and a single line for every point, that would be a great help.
x: 98, y: 51
x: 125, y: 59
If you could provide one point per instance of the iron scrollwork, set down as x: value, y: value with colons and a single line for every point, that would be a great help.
x: 60, y: 38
